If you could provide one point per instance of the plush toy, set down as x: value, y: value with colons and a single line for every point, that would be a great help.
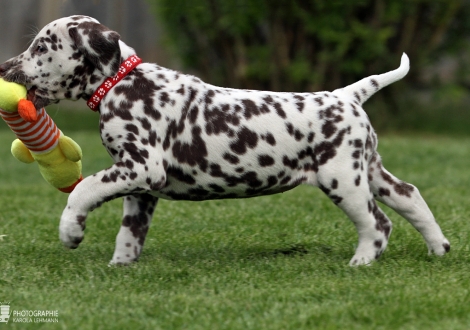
x: 39, y: 139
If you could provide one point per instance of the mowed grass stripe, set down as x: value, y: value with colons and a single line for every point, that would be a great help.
x: 275, y: 262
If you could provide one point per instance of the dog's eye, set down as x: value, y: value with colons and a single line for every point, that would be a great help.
x: 40, y: 49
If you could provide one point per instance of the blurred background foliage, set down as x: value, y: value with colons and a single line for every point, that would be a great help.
x: 312, y: 45
x: 287, y: 45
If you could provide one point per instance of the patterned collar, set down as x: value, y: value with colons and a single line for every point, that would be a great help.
x: 126, y: 67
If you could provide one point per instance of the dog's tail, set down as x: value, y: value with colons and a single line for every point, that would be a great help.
x: 365, y: 88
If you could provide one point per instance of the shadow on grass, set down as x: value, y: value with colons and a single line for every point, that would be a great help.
x: 247, y: 253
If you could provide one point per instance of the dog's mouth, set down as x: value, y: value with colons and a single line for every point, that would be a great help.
x: 38, y: 96
x: 38, y: 100
x: 31, y: 95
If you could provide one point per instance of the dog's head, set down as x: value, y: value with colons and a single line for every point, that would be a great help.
x: 64, y: 59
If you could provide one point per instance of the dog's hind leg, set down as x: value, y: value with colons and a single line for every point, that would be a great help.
x: 138, y: 211
x: 352, y: 194
x: 406, y: 200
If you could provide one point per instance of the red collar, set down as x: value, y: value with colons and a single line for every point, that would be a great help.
x: 126, y: 67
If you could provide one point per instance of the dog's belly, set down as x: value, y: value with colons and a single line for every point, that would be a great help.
x: 228, y: 194
x: 235, y: 185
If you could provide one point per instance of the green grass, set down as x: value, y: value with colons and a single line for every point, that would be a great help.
x: 277, y: 262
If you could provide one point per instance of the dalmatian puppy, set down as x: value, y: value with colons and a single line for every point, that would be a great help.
x: 172, y: 136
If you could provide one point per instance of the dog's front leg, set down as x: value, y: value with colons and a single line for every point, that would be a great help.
x: 89, y: 194
x: 138, y: 211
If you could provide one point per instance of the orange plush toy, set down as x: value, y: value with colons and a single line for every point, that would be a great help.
x: 39, y: 139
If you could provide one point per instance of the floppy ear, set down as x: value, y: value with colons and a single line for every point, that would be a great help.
x: 99, y: 45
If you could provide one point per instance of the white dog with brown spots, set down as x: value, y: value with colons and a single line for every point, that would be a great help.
x: 175, y: 137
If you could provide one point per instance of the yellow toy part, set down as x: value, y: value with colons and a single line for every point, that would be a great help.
x: 10, y: 95
x: 21, y: 152
x: 39, y: 139
x: 60, y: 166
x: 13, y: 99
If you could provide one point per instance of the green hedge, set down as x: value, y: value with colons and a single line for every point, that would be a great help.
x: 308, y: 45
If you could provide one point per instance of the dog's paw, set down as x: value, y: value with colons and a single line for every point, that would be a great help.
x: 366, y: 253
x: 71, y: 232
x: 125, y: 255
x: 440, y: 248
x: 360, y: 261
x: 364, y: 257
x: 71, y: 238
x: 118, y: 261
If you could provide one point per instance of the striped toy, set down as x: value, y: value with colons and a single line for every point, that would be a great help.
x: 40, y: 136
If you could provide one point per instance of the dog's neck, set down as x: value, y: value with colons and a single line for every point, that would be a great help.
x: 127, y: 66
x: 94, y: 83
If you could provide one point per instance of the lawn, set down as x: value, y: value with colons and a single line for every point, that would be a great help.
x: 276, y: 262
